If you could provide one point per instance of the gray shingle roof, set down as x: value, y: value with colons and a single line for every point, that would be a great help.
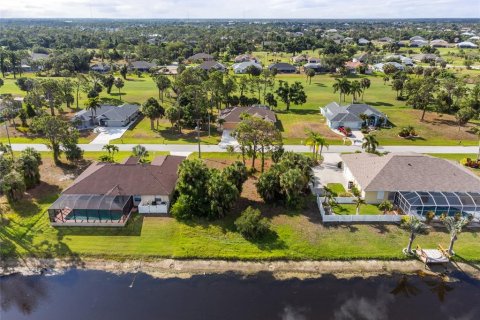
x: 409, y: 172
x: 351, y: 112
x: 110, y: 112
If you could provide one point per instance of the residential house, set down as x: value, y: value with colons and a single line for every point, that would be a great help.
x: 415, y: 183
x: 142, y: 66
x: 350, y: 116
x: 100, y: 67
x: 439, y: 43
x: 107, y: 116
x: 200, y: 57
x: 168, y: 70
x: 212, y: 65
x: 467, y: 45
x: 352, y: 66
x: 399, y: 58
x: 244, y: 58
x: 34, y: 62
x: 106, y: 194
x: 317, y: 67
x: 242, y: 67
x: 313, y: 60
x: 386, y: 39
x: 380, y: 66
x: 300, y: 58
x: 426, y: 57
x: 363, y: 42
x: 233, y: 116
x: 418, y: 43
x: 283, y: 67
x: 364, y: 57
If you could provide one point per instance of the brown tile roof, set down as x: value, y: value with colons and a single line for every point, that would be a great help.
x: 409, y: 172
x: 158, y: 178
x: 233, y: 115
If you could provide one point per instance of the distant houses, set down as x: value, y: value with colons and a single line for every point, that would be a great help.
x: 242, y: 67
x: 100, y: 67
x: 467, y: 45
x: 283, y: 67
x: 200, y: 57
x: 106, y: 194
x: 142, y: 66
x: 245, y: 58
x: 211, y: 65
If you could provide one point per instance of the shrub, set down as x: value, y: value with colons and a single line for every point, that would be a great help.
x: 251, y: 224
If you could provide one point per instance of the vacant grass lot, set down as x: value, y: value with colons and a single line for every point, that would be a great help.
x: 296, y: 234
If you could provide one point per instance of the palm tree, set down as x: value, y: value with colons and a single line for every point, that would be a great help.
x: 358, y: 202
x: 365, y: 82
x: 141, y: 152
x: 364, y: 118
x: 355, y: 89
x: 342, y: 85
x: 111, y: 149
x: 317, y: 142
x: 476, y: 130
x: 415, y: 227
x: 385, y: 206
x: 370, y: 143
x: 455, y: 226
x: 92, y: 104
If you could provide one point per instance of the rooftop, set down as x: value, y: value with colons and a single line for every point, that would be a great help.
x: 128, y: 178
x: 409, y: 172
x: 234, y: 114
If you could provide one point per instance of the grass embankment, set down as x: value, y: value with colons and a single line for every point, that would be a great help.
x: 296, y: 234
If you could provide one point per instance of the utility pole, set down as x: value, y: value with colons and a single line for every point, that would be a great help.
x: 198, y: 138
x: 8, y: 137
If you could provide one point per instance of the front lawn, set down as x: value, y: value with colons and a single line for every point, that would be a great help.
x: 351, y: 209
x: 142, y: 133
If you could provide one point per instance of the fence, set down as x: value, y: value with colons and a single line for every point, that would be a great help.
x: 326, y: 218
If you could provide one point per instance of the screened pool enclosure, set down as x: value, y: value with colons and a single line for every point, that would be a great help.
x: 92, y: 209
x: 450, y: 203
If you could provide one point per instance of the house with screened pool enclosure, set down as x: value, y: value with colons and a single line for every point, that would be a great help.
x: 414, y: 183
x: 106, y: 194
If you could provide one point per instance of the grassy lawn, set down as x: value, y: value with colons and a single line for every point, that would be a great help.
x: 293, y: 236
x: 351, y: 209
x: 336, y: 188
x: 142, y: 133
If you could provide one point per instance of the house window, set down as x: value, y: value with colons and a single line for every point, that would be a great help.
x: 380, y: 195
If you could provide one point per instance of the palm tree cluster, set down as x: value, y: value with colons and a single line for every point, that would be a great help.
x: 317, y: 142
x: 355, y: 88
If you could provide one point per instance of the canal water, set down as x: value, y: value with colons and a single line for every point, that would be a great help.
x: 90, y: 295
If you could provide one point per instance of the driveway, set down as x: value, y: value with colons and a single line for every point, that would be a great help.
x: 328, y: 172
x: 227, y: 140
x: 105, y: 134
x: 356, y: 137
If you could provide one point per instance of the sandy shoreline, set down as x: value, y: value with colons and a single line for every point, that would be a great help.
x: 171, y: 268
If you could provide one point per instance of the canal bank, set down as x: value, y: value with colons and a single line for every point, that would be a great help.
x: 175, y: 268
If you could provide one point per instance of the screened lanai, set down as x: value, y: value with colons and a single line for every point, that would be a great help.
x: 87, y: 208
x: 421, y: 202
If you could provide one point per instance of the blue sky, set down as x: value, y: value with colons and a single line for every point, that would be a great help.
x: 322, y: 9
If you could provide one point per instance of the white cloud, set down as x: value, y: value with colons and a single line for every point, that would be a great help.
x: 240, y: 9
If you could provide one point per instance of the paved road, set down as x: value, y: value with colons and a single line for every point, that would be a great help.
x: 296, y: 148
